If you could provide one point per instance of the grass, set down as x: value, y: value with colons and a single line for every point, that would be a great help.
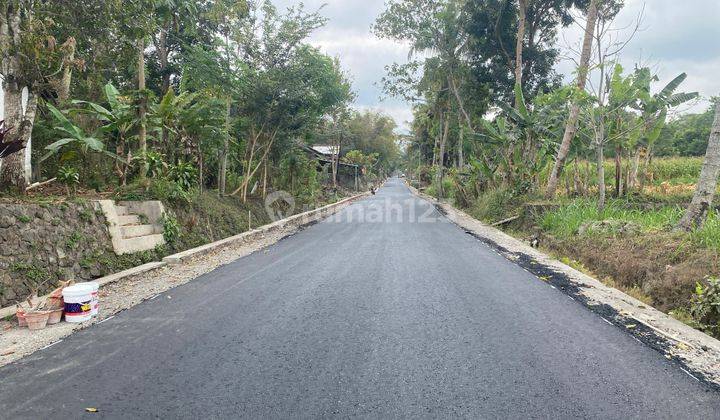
x: 636, y: 248
x: 567, y: 219
x: 495, y: 205
x: 708, y: 236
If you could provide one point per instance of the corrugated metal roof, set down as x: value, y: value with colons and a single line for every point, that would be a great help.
x: 326, y: 150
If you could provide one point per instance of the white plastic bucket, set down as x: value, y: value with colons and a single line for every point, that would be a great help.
x: 94, y: 293
x: 78, y: 303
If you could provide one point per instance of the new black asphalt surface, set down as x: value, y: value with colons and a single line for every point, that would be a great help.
x: 387, y: 310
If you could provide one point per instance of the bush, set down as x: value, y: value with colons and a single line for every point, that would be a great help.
x: 298, y: 174
x: 156, y: 164
x: 494, y: 205
x: 184, y: 174
x: 69, y: 177
x: 705, y: 307
x: 171, y: 229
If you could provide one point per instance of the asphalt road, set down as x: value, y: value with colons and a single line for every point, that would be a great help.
x: 388, y: 310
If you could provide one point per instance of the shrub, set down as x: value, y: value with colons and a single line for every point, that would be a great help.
x: 69, y: 177
x: 171, y: 229
x: 705, y: 307
x: 494, y: 205
x: 156, y: 164
x: 183, y: 174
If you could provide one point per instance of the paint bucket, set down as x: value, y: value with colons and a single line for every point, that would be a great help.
x: 95, y: 306
x: 78, y: 302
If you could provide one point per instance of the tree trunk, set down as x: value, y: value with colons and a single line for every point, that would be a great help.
x: 600, y: 159
x: 579, y: 187
x: 441, y: 161
x: 437, y: 141
x: 335, y: 144
x: 571, y: 125
x: 707, y: 183
x: 19, y: 122
x: 618, y: 171
x: 68, y: 62
x: 222, y: 178
x: 522, y: 12
x: 20, y: 125
x: 633, y: 178
x: 142, y: 110
x: 200, y: 168
x: 265, y: 178
x: 461, y: 144
x: 161, y: 46
x: 645, y: 167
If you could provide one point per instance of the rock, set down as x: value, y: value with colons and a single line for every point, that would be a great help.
x: 610, y: 226
x: 6, y: 221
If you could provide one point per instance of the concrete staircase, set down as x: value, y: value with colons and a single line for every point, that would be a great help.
x: 134, y: 226
x: 136, y: 235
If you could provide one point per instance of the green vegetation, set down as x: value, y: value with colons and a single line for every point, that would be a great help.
x: 30, y: 271
x: 220, y: 95
x: 74, y: 239
x: 596, y: 168
x: 171, y: 229
x: 705, y: 307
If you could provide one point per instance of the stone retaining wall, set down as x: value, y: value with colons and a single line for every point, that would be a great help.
x: 43, y: 243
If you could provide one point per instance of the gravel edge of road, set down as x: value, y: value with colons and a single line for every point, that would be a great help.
x: 130, y: 290
x: 696, y: 353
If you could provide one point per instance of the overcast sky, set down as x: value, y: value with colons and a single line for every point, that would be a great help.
x: 675, y: 36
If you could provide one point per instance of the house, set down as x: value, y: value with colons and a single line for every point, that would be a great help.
x: 328, y: 152
x: 348, y: 175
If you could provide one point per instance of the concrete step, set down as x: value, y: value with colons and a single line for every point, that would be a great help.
x: 121, y: 210
x: 132, y: 231
x: 140, y: 243
x: 129, y: 219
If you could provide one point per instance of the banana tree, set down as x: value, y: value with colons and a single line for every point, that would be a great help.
x: 75, y: 136
x: 192, y: 120
x: 527, y: 137
x: 654, y: 110
x: 119, y: 121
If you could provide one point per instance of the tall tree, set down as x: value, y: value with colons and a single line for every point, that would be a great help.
x: 571, y: 126
x: 519, y: 42
x: 707, y: 183
x: 289, y: 85
x: 435, y: 32
x: 493, y: 27
x: 20, y: 32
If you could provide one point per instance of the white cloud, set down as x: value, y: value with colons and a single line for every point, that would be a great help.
x: 674, y: 37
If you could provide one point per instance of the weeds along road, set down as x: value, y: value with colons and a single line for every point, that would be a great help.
x: 387, y: 310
